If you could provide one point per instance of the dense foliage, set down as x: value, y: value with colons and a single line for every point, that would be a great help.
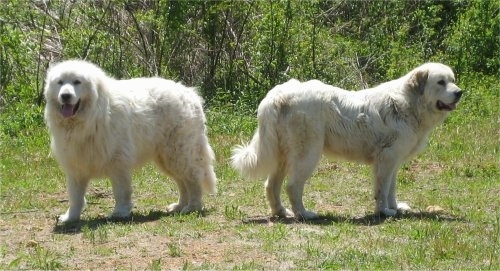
x: 235, y: 51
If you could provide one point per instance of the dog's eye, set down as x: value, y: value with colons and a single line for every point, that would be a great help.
x: 76, y: 82
x: 442, y: 82
x: 60, y: 82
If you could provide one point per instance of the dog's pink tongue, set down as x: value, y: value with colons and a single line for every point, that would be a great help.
x: 67, y: 110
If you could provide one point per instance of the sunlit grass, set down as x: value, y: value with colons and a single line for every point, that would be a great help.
x: 458, y: 172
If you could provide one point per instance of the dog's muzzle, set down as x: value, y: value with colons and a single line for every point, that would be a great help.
x: 451, y: 106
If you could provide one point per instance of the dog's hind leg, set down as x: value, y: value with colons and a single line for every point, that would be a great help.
x: 181, y: 185
x: 191, y: 192
x: 176, y: 207
x: 189, y: 174
x: 273, y: 190
x: 300, y: 171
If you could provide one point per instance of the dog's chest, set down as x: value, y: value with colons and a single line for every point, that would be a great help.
x: 87, y: 154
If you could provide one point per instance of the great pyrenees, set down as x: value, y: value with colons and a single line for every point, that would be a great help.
x: 382, y: 126
x: 100, y: 126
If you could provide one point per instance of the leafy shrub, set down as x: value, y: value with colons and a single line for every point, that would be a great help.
x: 235, y: 52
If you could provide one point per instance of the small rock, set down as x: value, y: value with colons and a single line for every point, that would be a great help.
x: 32, y: 243
x: 434, y: 209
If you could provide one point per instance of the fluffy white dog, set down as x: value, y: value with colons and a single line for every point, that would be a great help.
x: 382, y: 126
x: 100, y: 126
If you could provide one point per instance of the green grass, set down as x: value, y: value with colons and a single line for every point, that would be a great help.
x: 458, y: 172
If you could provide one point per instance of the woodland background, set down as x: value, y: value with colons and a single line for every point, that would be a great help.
x: 236, y: 51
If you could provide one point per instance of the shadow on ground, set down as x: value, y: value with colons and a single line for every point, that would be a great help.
x: 367, y: 220
x: 327, y: 219
x: 94, y: 223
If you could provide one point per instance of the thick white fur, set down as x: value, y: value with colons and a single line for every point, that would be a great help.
x: 382, y: 126
x: 121, y: 124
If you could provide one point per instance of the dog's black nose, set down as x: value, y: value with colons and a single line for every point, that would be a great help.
x: 458, y: 93
x: 65, y: 97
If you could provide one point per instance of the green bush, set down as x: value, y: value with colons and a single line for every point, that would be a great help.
x: 235, y: 52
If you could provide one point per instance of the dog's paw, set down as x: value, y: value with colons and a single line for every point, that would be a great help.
x: 121, y: 211
x: 306, y: 215
x: 183, y: 209
x: 67, y: 217
x: 63, y: 218
x: 174, y: 208
x: 283, y: 213
x: 403, y: 207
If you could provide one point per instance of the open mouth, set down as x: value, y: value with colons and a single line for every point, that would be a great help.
x: 69, y: 110
x: 446, y: 107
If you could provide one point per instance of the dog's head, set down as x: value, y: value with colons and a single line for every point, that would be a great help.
x: 71, y: 87
x: 435, y: 83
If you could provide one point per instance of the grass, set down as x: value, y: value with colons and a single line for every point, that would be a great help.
x: 456, y: 176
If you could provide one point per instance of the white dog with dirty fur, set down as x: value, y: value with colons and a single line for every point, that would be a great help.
x: 382, y: 126
x: 100, y: 126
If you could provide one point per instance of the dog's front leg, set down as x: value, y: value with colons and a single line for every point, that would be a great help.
x: 385, y: 176
x: 393, y: 203
x: 76, y: 193
x: 122, y: 191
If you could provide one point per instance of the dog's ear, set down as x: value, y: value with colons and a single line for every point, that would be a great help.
x: 417, y: 81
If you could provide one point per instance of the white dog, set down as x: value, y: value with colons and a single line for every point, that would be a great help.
x: 100, y: 126
x: 382, y: 126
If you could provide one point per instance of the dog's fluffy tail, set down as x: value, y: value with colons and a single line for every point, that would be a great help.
x: 209, y: 183
x: 259, y: 158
